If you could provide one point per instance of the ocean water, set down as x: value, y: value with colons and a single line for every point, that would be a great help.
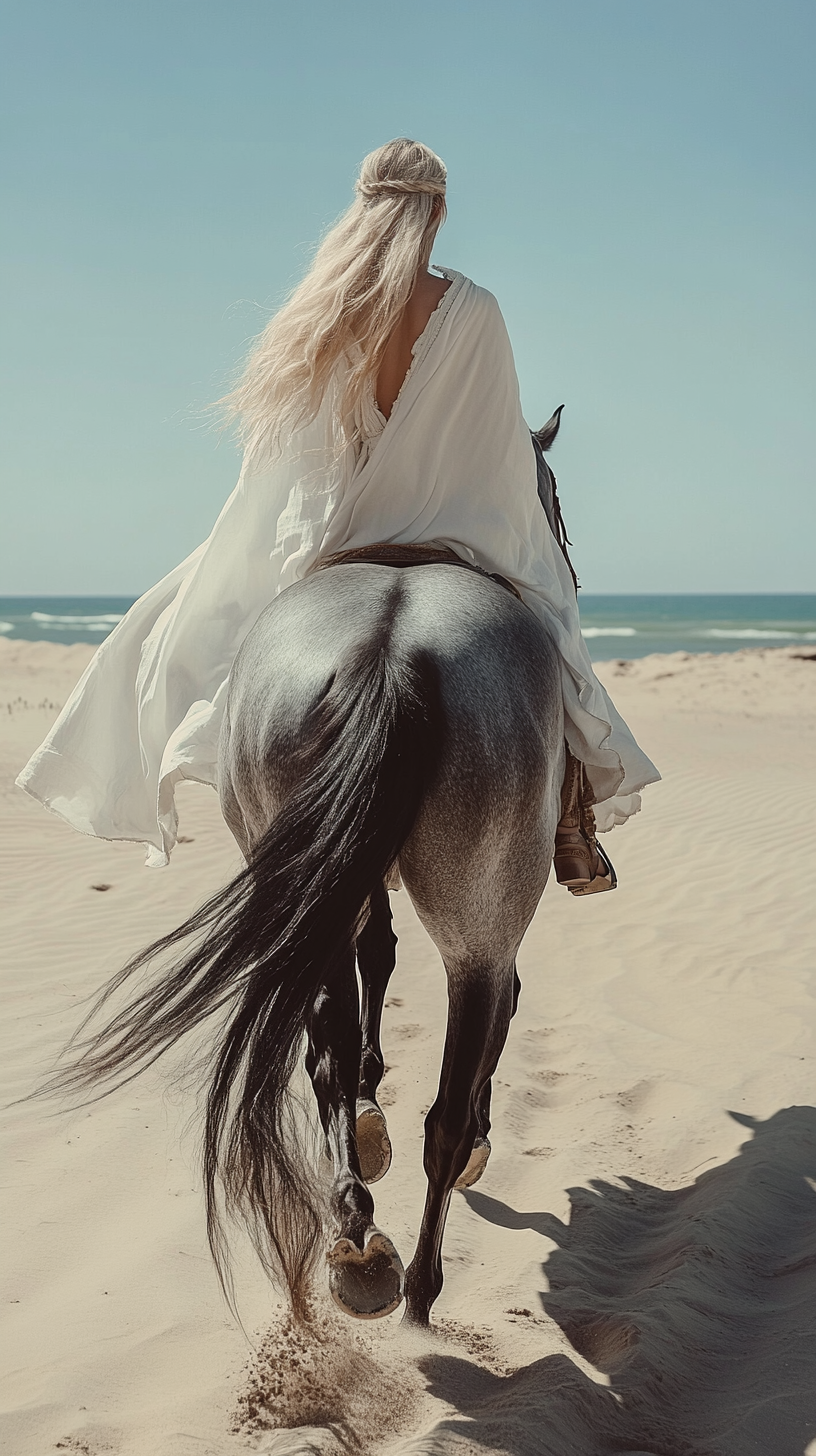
x: 61, y: 619
x: 634, y: 626
x: 614, y: 626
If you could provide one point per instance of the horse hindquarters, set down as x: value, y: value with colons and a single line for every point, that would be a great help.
x: 460, y: 780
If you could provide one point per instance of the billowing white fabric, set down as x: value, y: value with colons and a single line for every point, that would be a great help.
x: 453, y: 464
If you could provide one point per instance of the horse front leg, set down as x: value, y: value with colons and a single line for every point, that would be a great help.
x: 481, y: 1004
x: 366, y: 1277
x: 376, y: 959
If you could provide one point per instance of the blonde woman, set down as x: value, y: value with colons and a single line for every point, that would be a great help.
x: 380, y: 405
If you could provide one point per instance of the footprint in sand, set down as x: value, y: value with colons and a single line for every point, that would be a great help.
x: 634, y: 1098
x: 90, y: 1441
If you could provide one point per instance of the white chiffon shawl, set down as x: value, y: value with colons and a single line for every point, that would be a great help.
x: 454, y: 464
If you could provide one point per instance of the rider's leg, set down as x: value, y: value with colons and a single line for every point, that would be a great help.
x: 580, y: 863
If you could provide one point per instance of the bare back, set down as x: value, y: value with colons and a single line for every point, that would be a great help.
x: 425, y: 298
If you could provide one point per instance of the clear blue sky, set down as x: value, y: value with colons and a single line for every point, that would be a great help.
x: 632, y: 178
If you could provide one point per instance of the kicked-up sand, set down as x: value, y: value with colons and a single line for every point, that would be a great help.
x: 636, y: 1271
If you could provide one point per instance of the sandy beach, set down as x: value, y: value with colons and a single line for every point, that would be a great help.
x: 636, y: 1272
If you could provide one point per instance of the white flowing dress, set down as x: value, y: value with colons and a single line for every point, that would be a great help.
x: 454, y: 464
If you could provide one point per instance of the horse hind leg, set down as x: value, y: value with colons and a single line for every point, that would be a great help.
x: 481, y: 1150
x: 481, y: 1004
x: 366, y: 1276
x: 478, y: 1160
x: 376, y: 958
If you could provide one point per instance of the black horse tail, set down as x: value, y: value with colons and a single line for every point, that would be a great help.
x: 262, y: 947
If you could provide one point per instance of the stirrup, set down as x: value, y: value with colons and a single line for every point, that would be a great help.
x: 606, y: 881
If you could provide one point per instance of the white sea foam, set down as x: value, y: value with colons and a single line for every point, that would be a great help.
x: 6, y: 626
x: 609, y: 631
x: 761, y: 632
x: 91, y: 626
x: 99, y: 621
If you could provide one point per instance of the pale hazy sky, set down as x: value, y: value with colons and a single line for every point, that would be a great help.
x: 632, y: 178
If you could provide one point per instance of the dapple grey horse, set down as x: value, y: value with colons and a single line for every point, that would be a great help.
x: 379, y: 721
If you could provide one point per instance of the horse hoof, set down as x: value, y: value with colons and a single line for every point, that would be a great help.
x: 373, y: 1142
x: 366, y: 1284
x: 477, y: 1162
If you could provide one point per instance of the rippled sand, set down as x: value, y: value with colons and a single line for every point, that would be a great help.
x: 635, y: 1273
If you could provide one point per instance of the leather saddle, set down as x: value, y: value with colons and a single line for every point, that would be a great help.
x: 421, y: 553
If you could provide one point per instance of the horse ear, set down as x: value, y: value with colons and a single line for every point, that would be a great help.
x: 745, y: 1119
x: 548, y: 432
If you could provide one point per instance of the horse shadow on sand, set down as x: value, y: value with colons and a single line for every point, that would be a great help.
x: 699, y: 1304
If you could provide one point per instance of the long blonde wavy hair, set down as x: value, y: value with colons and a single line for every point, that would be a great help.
x: 347, y: 306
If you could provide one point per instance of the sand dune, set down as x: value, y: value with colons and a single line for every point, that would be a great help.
x: 635, y: 1273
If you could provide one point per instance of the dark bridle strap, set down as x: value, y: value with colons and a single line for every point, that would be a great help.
x: 420, y: 553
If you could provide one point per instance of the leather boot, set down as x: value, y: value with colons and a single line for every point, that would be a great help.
x: 580, y: 863
x: 603, y: 877
x: 573, y: 857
